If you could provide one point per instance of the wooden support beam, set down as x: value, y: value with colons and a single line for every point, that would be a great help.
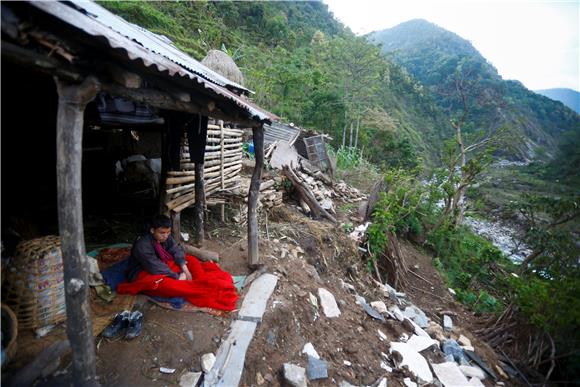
x: 253, y: 194
x: 176, y: 226
x: 199, y: 204
x: 72, y: 101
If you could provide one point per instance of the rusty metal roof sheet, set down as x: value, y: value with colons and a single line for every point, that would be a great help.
x: 153, y: 50
x: 278, y: 131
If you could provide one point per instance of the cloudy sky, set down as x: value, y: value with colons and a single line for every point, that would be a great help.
x: 533, y: 41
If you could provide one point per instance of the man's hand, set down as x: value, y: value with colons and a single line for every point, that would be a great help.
x: 185, y: 271
x: 182, y: 277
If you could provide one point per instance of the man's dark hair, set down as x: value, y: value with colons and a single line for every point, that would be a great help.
x: 160, y: 221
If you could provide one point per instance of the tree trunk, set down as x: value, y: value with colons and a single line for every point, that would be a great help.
x: 72, y: 101
x: 344, y: 131
x: 199, y: 204
x: 357, y: 127
x: 254, y: 192
x: 350, y: 139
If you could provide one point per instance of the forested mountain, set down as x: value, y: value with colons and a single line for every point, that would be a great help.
x: 451, y: 68
x: 568, y: 97
x: 309, y: 69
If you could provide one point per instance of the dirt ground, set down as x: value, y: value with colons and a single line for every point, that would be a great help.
x: 306, y: 255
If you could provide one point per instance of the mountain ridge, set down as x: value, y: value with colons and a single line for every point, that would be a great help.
x: 568, y: 97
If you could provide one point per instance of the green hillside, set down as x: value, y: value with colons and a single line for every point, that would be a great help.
x: 309, y: 69
x: 439, y: 58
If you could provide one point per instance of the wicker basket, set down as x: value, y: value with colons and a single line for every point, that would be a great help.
x: 34, y: 284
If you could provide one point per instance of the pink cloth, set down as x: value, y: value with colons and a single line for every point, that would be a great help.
x: 163, y: 254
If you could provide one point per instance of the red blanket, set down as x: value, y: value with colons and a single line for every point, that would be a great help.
x: 210, y: 287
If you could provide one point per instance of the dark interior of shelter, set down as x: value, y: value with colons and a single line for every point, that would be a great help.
x: 118, y: 194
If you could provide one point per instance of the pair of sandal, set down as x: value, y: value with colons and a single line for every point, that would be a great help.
x: 128, y: 323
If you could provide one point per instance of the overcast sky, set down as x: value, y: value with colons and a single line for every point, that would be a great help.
x: 535, y: 42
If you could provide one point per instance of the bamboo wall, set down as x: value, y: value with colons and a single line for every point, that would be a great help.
x: 222, y: 166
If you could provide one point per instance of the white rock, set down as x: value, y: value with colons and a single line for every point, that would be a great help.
x: 409, y: 383
x: 386, y: 367
x: 462, y: 340
x: 472, y: 372
x: 344, y: 383
x: 447, y: 323
x: 468, y: 348
x: 452, y: 291
x: 165, y: 370
x: 379, y: 306
x: 420, y: 343
x: 413, y: 360
x: 309, y: 350
x: 207, y: 361
x: 294, y: 375
x: 313, y: 300
x: 328, y: 303
x: 397, y: 312
x: 404, y: 337
x: 449, y: 374
x: 475, y: 382
x: 346, y: 363
x: 416, y: 328
x: 382, y: 383
x: 382, y: 335
x: 189, y: 379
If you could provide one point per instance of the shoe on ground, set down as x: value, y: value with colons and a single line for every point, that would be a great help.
x: 119, y: 323
x: 135, y: 325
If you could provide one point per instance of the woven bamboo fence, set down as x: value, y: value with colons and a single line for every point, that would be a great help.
x: 222, y: 166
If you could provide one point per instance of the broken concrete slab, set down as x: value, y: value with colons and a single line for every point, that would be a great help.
x: 397, y: 312
x: 390, y: 291
x: 421, y: 343
x: 464, y: 341
x: 413, y: 360
x: 479, y: 361
x: 317, y: 369
x: 284, y: 154
x: 435, y: 331
x: 447, y: 323
x: 254, y: 303
x: 409, y: 383
x: 294, y: 375
x: 379, y: 306
x: 475, y: 382
x: 449, y: 374
x: 328, y: 303
x: 410, y: 324
x: 472, y: 372
x: 189, y: 379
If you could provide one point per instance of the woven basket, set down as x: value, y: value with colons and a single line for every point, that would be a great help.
x: 34, y: 284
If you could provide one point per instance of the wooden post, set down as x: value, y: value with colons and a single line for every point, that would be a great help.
x: 199, y: 204
x: 176, y: 226
x: 72, y: 101
x: 254, y: 192
x: 222, y: 206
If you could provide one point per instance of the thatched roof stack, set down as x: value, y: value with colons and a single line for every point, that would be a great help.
x: 221, y: 63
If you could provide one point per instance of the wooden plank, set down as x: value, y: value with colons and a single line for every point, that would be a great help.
x: 254, y: 303
x: 253, y: 195
x: 231, y: 355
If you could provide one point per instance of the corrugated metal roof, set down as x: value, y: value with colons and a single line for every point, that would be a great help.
x: 280, y: 132
x: 153, y: 50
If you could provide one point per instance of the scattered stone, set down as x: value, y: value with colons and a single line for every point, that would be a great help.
x: 468, y: 348
x: 404, y: 337
x: 379, y: 306
x: 165, y: 370
x: 452, y: 292
x: 472, y: 372
x: 414, y: 361
x: 464, y: 341
x: 382, y: 336
x: 480, y: 363
x: 420, y: 343
x: 397, y: 312
x: 409, y: 383
x: 450, y: 347
x: 400, y: 295
x: 434, y: 330
x: 417, y: 315
x: 313, y: 300
x: 328, y: 303
x: 370, y: 311
x: 295, y: 375
x: 310, y: 351
x: 447, y: 323
x: 346, y: 363
x: 348, y: 286
x: 475, y: 382
x: 190, y: 335
x: 449, y: 374
x: 390, y: 290
x: 410, y: 324
x: 317, y: 369
x: 272, y: 336
x: 344, y: 383
x: 386, y: 367
x: 260, y: 379
x: 207, y: 361
x: 269, y: 378
x: 189, y: 379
